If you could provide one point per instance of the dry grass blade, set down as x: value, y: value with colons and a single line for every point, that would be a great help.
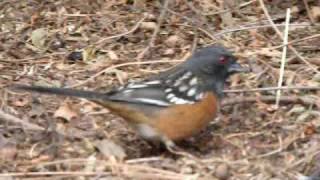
x: 135, y: 27
x: 284, y: 55
x: 280, y: 35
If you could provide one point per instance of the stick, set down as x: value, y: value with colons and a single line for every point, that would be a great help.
x: 272, y: 89
x: 156, y: 31
x: 10, y: 118
x: 283, y: 99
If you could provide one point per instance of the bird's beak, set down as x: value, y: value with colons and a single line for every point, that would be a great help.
x: 235, y: 68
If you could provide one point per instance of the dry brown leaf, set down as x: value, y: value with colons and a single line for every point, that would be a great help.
x: 8, y: 150
x: 21, y: 102
x: 140, y: 4
x: 310, y: 129
x: 39, y: 37
x: 173, y: 41
x: 65, y: 111
x: 112, y: 55
x: 169, y: 52
x: 148, y: 25
x: 90, y: 107
x: 315, y: 12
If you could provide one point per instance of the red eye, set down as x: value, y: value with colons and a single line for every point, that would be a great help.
x: 223, y: 60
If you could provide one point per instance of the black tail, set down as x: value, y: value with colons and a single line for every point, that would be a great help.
x: 63, y: 92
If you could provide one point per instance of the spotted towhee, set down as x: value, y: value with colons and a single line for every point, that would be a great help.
x: 173, y: 105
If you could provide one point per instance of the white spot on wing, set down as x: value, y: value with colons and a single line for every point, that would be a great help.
x: 182, y: 101
x: 152, y: 82
x: 183, y: 88
x: 173, y: 99
x: 187, y: 75
x: 193, y: 81
x: 152, y: 101
x: 169, y: 96
x: 136, y: 86
x: 177, y: 83
x: 192, y: 92
x: 168, y: 90
x: 127, y: 91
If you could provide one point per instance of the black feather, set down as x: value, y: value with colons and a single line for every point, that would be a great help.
x: 63, y: 92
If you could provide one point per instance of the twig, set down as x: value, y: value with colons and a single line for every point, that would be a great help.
x: 278, y: 150
x: 206, y: 32
x: 54, y: 173
x: 308, y: 11
x: 303, y: 160
x: 143, y: 160
x: 195, y: 40
x: 272, y: 89
x: 30, y: 60
x: 298, y: 40
x: 135, y: 27
x: 157, y: 29
x: 10, y: 118
x: 133, y: 171
x: 284, y: 55
x: 235, y: 9
x: 265, y: 10
x: 218, y: 12
x: 283, y: 99
x: 121, y: 65
x: 254, y: 27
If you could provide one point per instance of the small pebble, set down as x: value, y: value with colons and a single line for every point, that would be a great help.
x: 222, y: 172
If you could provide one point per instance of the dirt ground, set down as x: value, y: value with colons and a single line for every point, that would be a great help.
x: 99, y: 44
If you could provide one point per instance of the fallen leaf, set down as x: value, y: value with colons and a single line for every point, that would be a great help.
x: 112, y: 55
x: 310, y: 129
x: 315, y: 12
x: 148, y: 25
x: 39, y: 37
x: 8, y: 150
x: 173, y: 41
x: 20, y: 102
x: 66, y: 112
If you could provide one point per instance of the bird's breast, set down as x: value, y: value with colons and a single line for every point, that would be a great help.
x: 182, y: 121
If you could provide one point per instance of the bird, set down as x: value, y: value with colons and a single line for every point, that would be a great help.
x: 170, y: 106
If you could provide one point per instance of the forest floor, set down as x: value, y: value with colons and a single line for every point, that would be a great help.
x: 99, y: 44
